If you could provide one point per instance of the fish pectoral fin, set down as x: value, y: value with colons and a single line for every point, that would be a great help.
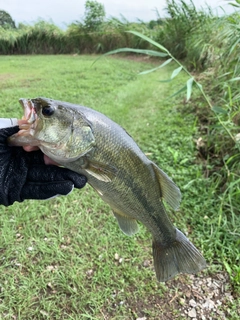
x: 128, y: 225
x: 101, y: 171
x: 170, y: 192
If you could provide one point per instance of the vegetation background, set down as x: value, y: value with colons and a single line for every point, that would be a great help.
x: 200, y: 146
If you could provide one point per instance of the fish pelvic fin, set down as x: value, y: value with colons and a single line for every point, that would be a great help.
x: 169, y: 191
x: 128, y: 225
x: 179, y: 257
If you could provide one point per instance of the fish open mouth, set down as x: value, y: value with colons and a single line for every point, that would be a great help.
x: 27, y: 126
x: 28, y: 123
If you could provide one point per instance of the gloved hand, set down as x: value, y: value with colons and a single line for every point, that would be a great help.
x: 24, y: 175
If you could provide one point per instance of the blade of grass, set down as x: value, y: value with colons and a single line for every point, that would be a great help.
x: 189, y: 88
x: 141, y: 51
x: 140, y: 35
x: 154, y: 69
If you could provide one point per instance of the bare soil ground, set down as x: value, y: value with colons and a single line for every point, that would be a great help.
x: 201, y: 297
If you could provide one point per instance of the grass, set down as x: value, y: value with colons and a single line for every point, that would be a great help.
x: 66, y: 258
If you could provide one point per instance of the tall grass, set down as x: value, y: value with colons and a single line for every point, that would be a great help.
x: 43, y: 37
x: 182, y: 22
x: 46, y: 38
x: 112, y: 36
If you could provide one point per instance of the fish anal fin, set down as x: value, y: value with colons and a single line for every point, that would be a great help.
x: 128, y: 225
x: 180, y: 256
x: 101, y: 171
x: 169, y: 191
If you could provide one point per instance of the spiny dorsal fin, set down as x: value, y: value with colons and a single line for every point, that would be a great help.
x: 128, y: 225
x: 170, y: 192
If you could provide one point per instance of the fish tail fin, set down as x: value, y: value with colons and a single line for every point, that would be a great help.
x: 180, y: 256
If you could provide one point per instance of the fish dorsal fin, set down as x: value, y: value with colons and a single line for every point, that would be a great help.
x: 128, y: 225
x: 169, y: 191
x: 101, y: 171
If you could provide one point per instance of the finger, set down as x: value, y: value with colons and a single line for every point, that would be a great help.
x: 30, y: 148
x: 44, y: 191
x: 51, y: 173
x: 49, y: 161
x: 20, y: 122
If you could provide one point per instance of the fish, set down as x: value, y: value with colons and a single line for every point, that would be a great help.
x: 88, y: 142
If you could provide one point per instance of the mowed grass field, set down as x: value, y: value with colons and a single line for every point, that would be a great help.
x: 66, y: 258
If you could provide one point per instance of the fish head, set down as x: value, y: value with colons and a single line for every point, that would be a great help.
x: 59, y: 130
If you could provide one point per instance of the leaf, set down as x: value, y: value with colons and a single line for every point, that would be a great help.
x: 154, y: 69
x: 199, y: 85
x: 232, y: 159
x: 224, y: 75
x: 142, y: 51
x: 234, y: 79
x: 179, y: 91
x: 183, y: 161
x: 149, y: 71
x: 233, y: 47
x: 165, y: 63
x: 140, y: 35
x: 228, y: 268
x: 189, y: 88
x: 219, y: 110
x: 176, y: 72
x: 234, y: 4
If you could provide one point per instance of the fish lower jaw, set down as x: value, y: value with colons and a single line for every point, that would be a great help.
x: 57, y: 153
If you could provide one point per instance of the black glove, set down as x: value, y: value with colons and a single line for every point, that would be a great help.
x: 24, y: 175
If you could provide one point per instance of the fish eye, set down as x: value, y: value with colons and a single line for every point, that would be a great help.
x: 48, y: 111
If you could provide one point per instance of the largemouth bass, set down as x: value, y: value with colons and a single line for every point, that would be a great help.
x: 89, y: 143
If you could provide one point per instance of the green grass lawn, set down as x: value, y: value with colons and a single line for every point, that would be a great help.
x: 66, y: 258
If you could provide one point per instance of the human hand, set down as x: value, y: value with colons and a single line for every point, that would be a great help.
x: 24, y: 175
